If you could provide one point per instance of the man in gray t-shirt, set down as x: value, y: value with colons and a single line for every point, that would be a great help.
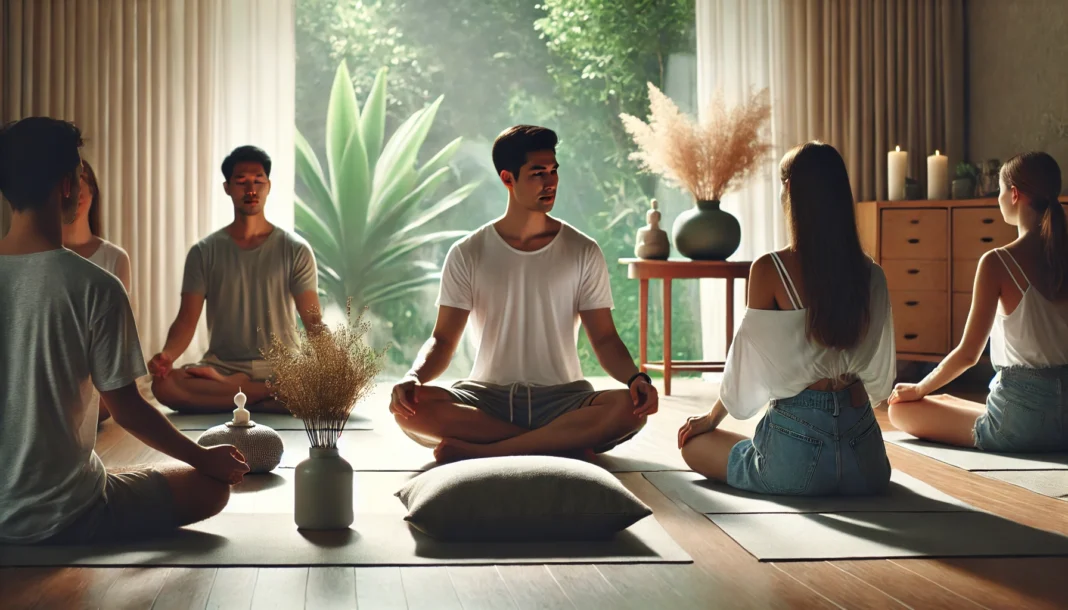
x: 255, y: 278
x: 66, y: 328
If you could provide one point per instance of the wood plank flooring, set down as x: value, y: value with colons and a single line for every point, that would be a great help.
x: 723, y: 574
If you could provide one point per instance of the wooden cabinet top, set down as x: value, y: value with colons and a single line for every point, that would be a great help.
x: 940, y: 203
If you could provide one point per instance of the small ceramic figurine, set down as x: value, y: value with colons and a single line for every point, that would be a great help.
x: 261, y: 445
x: 652, y: 241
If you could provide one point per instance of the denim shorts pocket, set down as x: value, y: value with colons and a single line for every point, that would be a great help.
x: 788, y: 459
x: 870, y: 453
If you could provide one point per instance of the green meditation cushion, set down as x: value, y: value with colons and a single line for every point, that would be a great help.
x: 520, y: 498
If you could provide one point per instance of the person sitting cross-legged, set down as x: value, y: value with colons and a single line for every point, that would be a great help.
x: 66, y: 328
x: 251, y: 274
x: 522, y: 285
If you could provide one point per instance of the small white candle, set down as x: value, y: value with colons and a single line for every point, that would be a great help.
x: 897, y: 163
x: 937, y: 177
x: 241, y: 415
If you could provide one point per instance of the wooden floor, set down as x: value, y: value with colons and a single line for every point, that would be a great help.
x: 723, y: 575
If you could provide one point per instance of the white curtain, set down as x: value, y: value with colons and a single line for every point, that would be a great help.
x: 162, y: 91
x: 738, y: 53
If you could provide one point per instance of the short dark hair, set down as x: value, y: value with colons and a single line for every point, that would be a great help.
x: 511, y: 147
x: 36, y: 153
x: 242, y: 154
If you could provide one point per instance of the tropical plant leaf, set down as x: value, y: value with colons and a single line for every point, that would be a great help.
x: 353, y: 190
x: 410, y: 244
x: 320, y: 237
x: 402, y: 149
x: 447, y: 203
x: 373, y: 119
x: 390, y: 219
x: 342, y: 119
x: 310, y: 174
x: 441, y: 159
x: 381, y: 293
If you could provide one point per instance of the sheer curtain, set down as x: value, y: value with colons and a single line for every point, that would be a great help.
x: 161, y: 91
x: 739, y: 43
x: 862, y: 76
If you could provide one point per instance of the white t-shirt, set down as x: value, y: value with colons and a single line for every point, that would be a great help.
x: 525, y: 305
x: 107, y: 257
x: 771, y: 357
x: 65, y: 327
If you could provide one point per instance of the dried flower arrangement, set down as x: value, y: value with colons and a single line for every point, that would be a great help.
x: 324, y: 375
x: 709, y: 158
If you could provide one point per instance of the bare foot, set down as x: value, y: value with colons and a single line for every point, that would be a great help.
x: 454, y: 450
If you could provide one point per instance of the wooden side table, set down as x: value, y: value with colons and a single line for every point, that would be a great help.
x: 675, y: 269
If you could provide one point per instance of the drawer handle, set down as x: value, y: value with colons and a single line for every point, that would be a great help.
x: 911, y: 336
x: 914, y: 240
x: 914, y: 221
x: 913, y: 271
x: 988, y: 221
x: 912, y: 303
x: 986, y: 240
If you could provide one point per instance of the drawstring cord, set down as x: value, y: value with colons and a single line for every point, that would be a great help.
x: 511, y: 402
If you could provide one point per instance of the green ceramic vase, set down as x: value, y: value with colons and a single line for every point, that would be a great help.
x: 706, y: 233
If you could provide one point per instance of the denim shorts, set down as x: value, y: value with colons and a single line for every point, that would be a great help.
x: 814, y: 444
x: 1025, y: 411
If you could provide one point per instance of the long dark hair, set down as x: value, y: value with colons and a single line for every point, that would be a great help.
x: 1038, y: 176
x: 94, y: 205
x: 823, y: 229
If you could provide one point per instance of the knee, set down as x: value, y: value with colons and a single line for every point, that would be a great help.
x: 900, y: 414
x: 165, y: 391
x: 427, y: 417
x: 623, y: 418
x: 216, y: 495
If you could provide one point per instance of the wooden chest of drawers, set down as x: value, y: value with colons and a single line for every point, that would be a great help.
x: 929, y: 251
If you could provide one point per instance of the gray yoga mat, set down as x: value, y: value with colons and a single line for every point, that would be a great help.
x: 1052, y: 483
x: 277, y: 421
x: 257, y: 529
x: 906, y: 494
x: 974, y: 459
x: 879, y: 535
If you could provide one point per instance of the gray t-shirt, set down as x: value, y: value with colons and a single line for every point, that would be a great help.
x: 249, y: 293
x: 65, y: 328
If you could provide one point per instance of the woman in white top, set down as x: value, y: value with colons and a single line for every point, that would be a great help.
x: 82, y: 235
x: 817, y: 342
x: 1027, y: 407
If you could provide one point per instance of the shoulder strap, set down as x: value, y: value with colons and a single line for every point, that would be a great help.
x: 1002, y: 253
x: 787, y: 282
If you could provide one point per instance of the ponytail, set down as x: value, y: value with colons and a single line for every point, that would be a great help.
x: 1055, y: 243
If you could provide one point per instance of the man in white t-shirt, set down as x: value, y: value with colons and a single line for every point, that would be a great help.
x: 65, y: 328
x: 525, y: 283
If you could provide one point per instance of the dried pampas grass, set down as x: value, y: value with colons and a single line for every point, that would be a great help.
x: 706, y: 159
x: 324, y: 375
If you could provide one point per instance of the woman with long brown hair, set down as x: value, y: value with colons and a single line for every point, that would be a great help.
x: 1027, y: 407
x: 817, y: 342
x: 82, y: 235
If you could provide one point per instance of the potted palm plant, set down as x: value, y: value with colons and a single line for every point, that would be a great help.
x: 708, y: 159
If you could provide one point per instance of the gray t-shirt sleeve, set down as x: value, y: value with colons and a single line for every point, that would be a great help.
x: 304, y: 275
x: 194, y: 279
x: 115, y: 355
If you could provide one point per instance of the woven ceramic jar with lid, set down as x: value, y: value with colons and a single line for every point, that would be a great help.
x: 261, y: 445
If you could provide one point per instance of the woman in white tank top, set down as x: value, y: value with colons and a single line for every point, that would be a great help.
x: 816, y: 342
x: 1019, y: 302
x: 82, y: 235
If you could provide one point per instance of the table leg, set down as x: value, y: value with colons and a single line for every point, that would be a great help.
x: 667, y: 336
x: 730, y: 313
x: 643, y: 324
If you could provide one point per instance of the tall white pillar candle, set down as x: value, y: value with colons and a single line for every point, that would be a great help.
x: 937, y: 177
x: 897, y: 162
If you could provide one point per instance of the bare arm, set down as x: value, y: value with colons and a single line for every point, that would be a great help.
x: 309, y: 310
x: 184, y: 326
x: 433, y: 358
x: 985, y: 296
x: 611, y: 352
x: 149, y: 425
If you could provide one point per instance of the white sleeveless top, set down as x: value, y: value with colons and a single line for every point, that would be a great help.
x: 107, y: 256
x: 771, y: 356
x: 1035, y: 334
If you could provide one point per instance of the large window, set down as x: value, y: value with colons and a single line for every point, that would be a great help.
x: 572, y: 65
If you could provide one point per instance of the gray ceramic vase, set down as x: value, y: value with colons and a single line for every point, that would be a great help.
x: 323, y: 491
x: 706, y: 233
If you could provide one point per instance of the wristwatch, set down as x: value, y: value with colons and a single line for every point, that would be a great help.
x: 637, y: 375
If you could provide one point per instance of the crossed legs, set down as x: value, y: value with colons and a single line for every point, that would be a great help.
x: 940, y: 418
x: 461, y: 432
x: 204, y: 389
x: 707, y: 453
